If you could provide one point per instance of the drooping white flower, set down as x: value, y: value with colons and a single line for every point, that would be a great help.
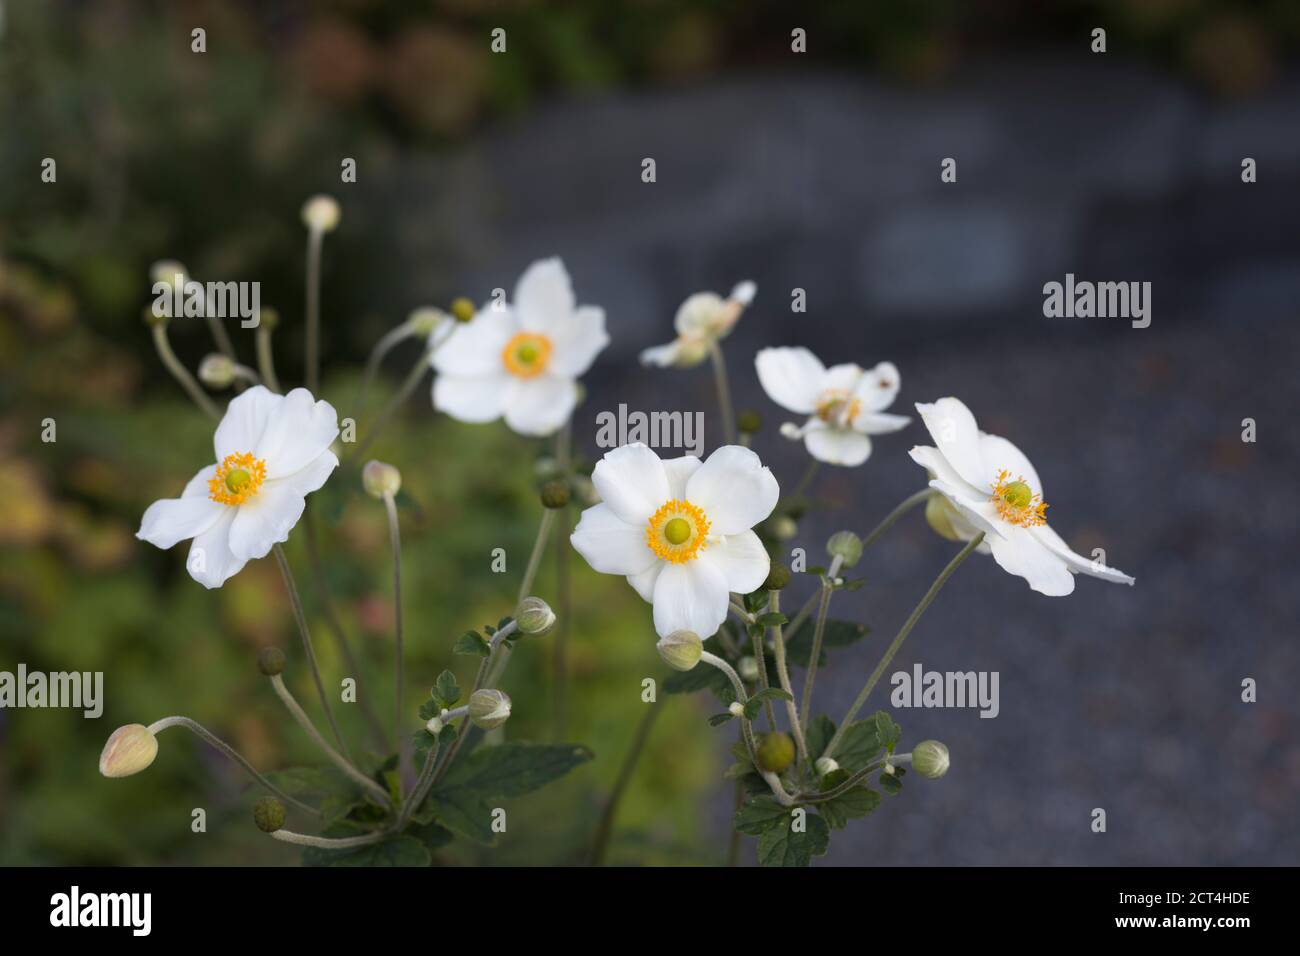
x: 846, y: 403
x: 521, y: 360
x: 272, y: 451
x: 680, y: 530
x: 701, y: 320
x: 993, y: 488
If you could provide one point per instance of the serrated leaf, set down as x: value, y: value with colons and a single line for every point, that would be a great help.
x: 717, y: 720
x: 818, y: 734
x: 434, y: 836
x: 699, y: 677
x: 464, y: 813
x: 891, y: 783
x: 857, y: 802
x: 755, y: 702
x: 772, y: 619
x: 837, y: 633
x: 447, y: 689
x: 755, y: 601
x: 738, y: 770
x: 471, y: 642
x: 513, y: 769
x: 781, y: 846
x: 760, y: 815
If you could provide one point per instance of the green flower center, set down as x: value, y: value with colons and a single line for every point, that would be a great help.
x: 677, y: 530
x: 1017, y: 494
x: 237, y: 479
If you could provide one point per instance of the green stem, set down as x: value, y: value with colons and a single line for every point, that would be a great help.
x: 724, y: 393
x: 381, y: 421
x: 403, y: 744
x: 328, y: 843
x: 906, y: 629
x: 312, y: 351
x: 809, y: 474
x: 606, y: 825
x: 761, y: 658
x: 535, y: 558
x: 265, y: 357
x: 783, y: 675
x: 180, y: 372
x: 903, y: 508
x: 819, y: 630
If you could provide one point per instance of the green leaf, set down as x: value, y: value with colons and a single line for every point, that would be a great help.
x: 772, y: 619
x: 760, y: 815
x: 447, y: 689
x: 432, y: 835
x: 818, y: 734
x: 464, y: 813
x: 755, y: 601
x: 717, y: 720
x: 394, y: 851
x: 891, y: 783
x: 472, y: 642
x: 857, y: 802
x: 781, y: 846
x: 867, y: 739
x: 513, y: 769
x: 699, y: 677
x: 328, y: 789
x: 798, y: 646
x: 755, y: 702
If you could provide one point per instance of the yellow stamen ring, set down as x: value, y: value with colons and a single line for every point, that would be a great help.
x: 237, y: 478
x: 1017, y: 503
x: 837, y: 407
x: 527, y: 354
x: 677, y: 531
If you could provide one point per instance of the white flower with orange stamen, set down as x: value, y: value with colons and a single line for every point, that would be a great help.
x: 680, y: 530
x: 521, y: 360
x: 845, y: 403
x: 992, y: 487
x: 272, y: 451
x: 701, y: 320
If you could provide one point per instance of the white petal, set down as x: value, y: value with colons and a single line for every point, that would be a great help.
x: 610, y: 544
x: 933, y: 461
x: 741, y: 558
x: 692, y: 596
x: 541, y: 405
x: 475, y: 347
x: 315, y: 474
x: 544, y: 297
x: 472, y: 398
x: 744, y: 292
x: 734, y: 490
x: 699, y: 315
x: 998, y: 454
x: 1023, y: 555
x: 245, y: 420
x: 879, y: 423
x: 632, y: 481
x: 172, y: 520
x: 981, y: 513
x: 1077, y: 562
x: 953, y: 428
x: 661, y: 356
x: 297, y: 433
x: 644, y: 583
x: 679, y: 471
x: 198, y: 485
x: 578, y: 341
x: 838, y: 446
x: 266, y: 519
x: 210, y: 561
x: 878, y: 387
x: 843, y: 378
x: 792, y: 377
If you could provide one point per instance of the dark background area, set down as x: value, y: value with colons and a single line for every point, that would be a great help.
x: 817, y: 171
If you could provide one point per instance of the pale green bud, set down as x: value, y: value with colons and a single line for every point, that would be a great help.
x: 747, y: 668
x: 846, y: 546
x: 825, y: 765
x: 380, y: 479
x: 129, y: 750
x: 216, y: 371
x: 268, y: 814
x: 423, y: 321
x: 736, y: 708
x: 930, y: 759
x: 489, y: 709
x: 534, y: 616
x: 680, y: 650
x: 321, y: 213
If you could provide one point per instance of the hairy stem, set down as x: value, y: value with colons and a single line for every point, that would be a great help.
x: 783, y: 676
x: 403, y: 744
x: 328, y: 843
x: 819, y: 630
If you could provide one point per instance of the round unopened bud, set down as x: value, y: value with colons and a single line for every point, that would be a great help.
x: 939, y: 515
x: 775, y: 751
x: 784, y: 528
x: 749, y: 421
x: 320, y: 213
x: 488, y: 708
x: 216, y: 371
x: 825, y: 765
x: 889, y: 770
x: 747, y: 668
x: 930, y: 759
x: 129, y: 750
x: 268, y: 814
x: 846, y: 546
x: 268, y: 318
x: 555, y: 494
x: 534, y: 616
x: 270, y: 661
x: 434, y: 726
x: 380, y: 480
x: 778, y: 576
x: 423, y: 321
x: 791, y: 431
x: 168, y: 271
x: 736, y: 708
x: 681, y: 650
x: 463, y: 309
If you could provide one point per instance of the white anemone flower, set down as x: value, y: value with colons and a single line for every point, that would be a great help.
x: 993, y: 488
x: 272, y: 451
x: 680, y: 530
x: 846, y: 403
x: 701, y: 320
x: 521, y: 360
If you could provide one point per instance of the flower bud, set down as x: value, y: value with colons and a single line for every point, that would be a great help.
x: 736, y: 708
x: 680, y: 650
x: 778, y: 576
x: 791, y: 431
x: 423, y: 321
x: 489, y: 709
x: 270, y: 661
x: 216, y: 371
x: 846, y: 546
x: 534, y: 616
x: 888, y: 769
x: 463, y: 309
x: 129, y: 750
x: 555, y: 494
x: 169, y: 271
x: 747, y: 668
x: 585, y: 491
x: 930, y: 759
x: 939, y: 514
x: 268, y: 814
x: 825, y: 765
x: 268, y: 318
x: 775, y: 751
x: 435, y: 725
x: 749, y: 421
x: 784, y: 528
x: 320, y: 213
x: 380, y: 480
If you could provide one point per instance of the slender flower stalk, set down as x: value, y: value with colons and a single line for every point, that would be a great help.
x: 903, y: 508
x: 724, y: 392
x: 399, y: 399
x: 335, y: 757
x: 300, y: 617
x: 746, y: 729
x: 265, y: 355
x: 394, y: 535
x: 421, y: 785
x: 819, y: 630
x: 783, y: 676
x: 328, y: 843
x: 560, y: 639
x: 315, y: 239
x: 606, y: 825
x: 760, y: 658
x: 225, y: 749
x: 906, y: 629
x: 806, y: 481
x: 535, y: 558
x: 180, y: 372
